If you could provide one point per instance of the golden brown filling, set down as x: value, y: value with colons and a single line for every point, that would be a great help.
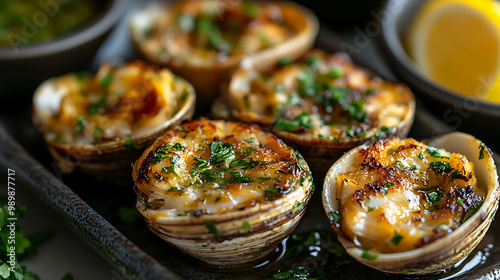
x: 204, y: 32
x: 116, y: 103
x: 204, y: 167
x: 401, y: 195
x: 321, y: 96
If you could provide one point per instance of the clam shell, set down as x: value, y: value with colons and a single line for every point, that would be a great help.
x: 207, y: 79
x: 319, y: 153
x: 107, y: 161
x: 233, y: 245
x: 447, y: 251
x: 269, y: 225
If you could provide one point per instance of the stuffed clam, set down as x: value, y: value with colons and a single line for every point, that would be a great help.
x: 225, y: 193
x: 401, y: 206
x: 322, y: 103
x: 101, y: 123
x: 204, y: 41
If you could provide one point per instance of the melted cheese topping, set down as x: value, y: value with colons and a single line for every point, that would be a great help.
x: 321, y: 96
x: 201, y: 33
x: 209, y: 167
x: 116, y: 103
x: 401, y: 194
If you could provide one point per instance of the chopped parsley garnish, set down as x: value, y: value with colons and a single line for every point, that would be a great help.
x: 238, y: 178
x: 472, y: 211
x: 368, y: 256
x: 301, y: 121
x: 396, y: 238
x: 441, y: 167
x: 250, y: 140
x: 356, y: 111
x: 246, y: 226
x: 178, y: 147
x: 459, y: 202
x: 329, y: 137
x: 296, y: 207
x: 169, y: 169
x: 306, y: 83
x: 420, y: 156
x: 370, y: 208
x: 388, y: 184
x: 129, y: 145
x: 264, y: 178
x: 481, y: 150
x: 98, y: 132
x: 271, y: 191
x: 250, y: 9
x: 210, y: 32
x: 313, y: 62
x: 434, y: 152
x: 106, y: 80
x: 213, y: 230
x: 96, y: 108
x: 80, y: 123
x: 336, y: 216
x: 220, y: 152
x: 217, y: 199
x: 335, y: 73
x: 284, y: 61
x: 456, y: 174
x: 434, y: 196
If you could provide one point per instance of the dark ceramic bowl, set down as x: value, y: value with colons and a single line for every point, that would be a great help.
x: 458, y: 111
x: 24, y: 67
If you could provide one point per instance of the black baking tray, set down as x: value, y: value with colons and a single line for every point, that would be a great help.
x: 90, y: 206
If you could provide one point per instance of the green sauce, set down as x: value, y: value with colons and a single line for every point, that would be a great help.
x: 27, y: 21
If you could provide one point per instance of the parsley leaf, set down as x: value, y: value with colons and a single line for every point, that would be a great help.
x: 220, y: 151
x: 368, y: 256
x: 396, y: 238
x: 441, y: 167
x: 301, y: 121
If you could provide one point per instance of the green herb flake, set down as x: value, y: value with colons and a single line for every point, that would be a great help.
x: 301, y: 121
x: 434, y: 152
x: 80, y: 123
x: 284, y: 61
x: 239, y: 178
x: 396, y: 238
x: 296, y: 207
x: 481, y: 150
x: 178, y: 147
x: 271, y: 191
x: 246, y: 226
x: 370, y: 208
x: 407, y: 271
x: 313, y: 62
x: 250, y: 9
x: 98, y: 132
x: 106, y: 80
x: 493, y: 215
x: 368, y: 256
x: 336, y: 216
x: 472, y: 211
x: 209, y: 224
x: 217, y: 199
x: 220, y: 151
x: 96, y: 108
x: 440, y: 167
x: 459, y: 202
x: 264, y: 178
x: 250, y: 140
x: 370, y: 91
x: 388, y: 184
x: 434, y: 196
x: 456, y: 174
x: 335, y: 73
x: 420, y: 156
x: 129, y: 144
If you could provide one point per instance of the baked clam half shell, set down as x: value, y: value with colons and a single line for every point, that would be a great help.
x: 204, y: 41
x: 225, y: 193
x: 322, y: 103
x: 100, y: 124
x: 401, y: 206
